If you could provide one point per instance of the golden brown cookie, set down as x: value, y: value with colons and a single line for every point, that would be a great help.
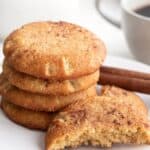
x: 37, y: 85
x: 122, y: 94
x: 27, y: 118
x: 54, y: 50
x: 40, y: 102
x: 99, y: 121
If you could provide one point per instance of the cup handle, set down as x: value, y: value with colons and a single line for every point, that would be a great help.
x: 112, y: 20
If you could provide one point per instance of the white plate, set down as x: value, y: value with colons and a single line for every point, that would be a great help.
x: 15, y: 137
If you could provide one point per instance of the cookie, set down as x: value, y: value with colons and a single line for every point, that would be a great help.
x: 40, y: 102
x: 99, y: 121
x: 28, y: 118
x: 122, y: 94
x: 54, y: 50
x: 37, y: 85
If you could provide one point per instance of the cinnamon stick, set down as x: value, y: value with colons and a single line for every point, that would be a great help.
x: 126, y: 80
x: 125, y: 72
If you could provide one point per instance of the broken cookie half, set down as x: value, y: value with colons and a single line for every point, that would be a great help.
x: 99, y: 121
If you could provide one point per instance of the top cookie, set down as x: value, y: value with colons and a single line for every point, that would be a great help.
x: 54, y: 50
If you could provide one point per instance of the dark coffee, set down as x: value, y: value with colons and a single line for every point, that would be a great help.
x: 144, y: 11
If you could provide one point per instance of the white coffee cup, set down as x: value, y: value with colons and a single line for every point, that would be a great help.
x: 136, y: 28
x: 14, y: 13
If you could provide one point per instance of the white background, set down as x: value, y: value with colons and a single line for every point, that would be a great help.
x: 90, y: 18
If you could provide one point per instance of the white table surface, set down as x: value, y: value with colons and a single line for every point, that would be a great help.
x: 113, y: 37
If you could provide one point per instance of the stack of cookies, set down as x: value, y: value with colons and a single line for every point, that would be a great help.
x: 47, y: 66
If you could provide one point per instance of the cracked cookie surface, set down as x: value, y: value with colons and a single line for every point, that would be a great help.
x: 100, y: 121
x: 54, y: 50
